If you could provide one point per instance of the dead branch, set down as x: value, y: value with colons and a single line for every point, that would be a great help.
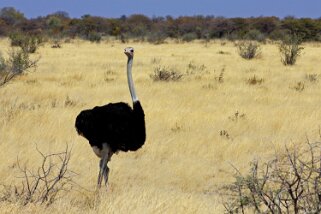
x: 289, y: 183
x: 45, y: 183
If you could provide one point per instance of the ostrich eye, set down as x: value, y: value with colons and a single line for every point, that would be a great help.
x: 132, y: 51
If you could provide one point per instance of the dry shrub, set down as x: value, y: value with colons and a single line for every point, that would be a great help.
x: 311, y: 77
x: 255, y: 80
x: 299, y: 86
x: 41, y: 185
x: 220, y: 77
x: 248, y: 49
x: 193, y: 68
x: 165, y: 74
x: 288, y: 183
x: 56, y: 43
x: 223, y: 52
x: 290, y: 50
x: 237, y: 116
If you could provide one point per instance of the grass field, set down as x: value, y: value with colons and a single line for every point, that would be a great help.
x: 196, y: 127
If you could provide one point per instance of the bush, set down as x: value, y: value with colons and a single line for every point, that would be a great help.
x: 290, y: 50
x: 31, y: 44
x: 299, y: 86
x: 44, y: 184
x: 19, y: 61
x: 248, y: 49
x: 165, y: 74
x: 311, y: 77
x: 255, y: 80
x: 188, y: 37
x: 94, y: 37
x: 278, y: 34
x: 16, y: 64
x: 56, y: 44
x: 156, y: 38
x: 28, y: 43
x: 289, y: 183
x: 255, y: 35
x: 193, y: 68
x: 16, y: 39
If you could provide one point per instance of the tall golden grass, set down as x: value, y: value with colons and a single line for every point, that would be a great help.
x: 196, y: 127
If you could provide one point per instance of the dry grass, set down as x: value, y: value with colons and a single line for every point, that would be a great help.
x: 186, y: 157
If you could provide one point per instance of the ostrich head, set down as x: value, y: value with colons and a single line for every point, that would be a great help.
x: 129, y: 51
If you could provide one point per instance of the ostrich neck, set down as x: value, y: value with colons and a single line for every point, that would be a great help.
x: 130, y: 80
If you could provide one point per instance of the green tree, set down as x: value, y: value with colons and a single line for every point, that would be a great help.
x: 54, y: 24
x: 11, y: 16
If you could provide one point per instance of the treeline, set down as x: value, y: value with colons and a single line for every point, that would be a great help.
x: 157, y: 29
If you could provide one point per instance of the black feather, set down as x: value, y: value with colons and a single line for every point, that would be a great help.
x: 117, y: 124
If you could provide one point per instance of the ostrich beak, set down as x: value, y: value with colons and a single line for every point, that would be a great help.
x: 129, y: 52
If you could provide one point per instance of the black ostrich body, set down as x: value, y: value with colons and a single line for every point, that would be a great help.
x: 116, y: 124
x: 114, y: 127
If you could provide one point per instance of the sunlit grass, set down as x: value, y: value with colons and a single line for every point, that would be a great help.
x: 192, y: 133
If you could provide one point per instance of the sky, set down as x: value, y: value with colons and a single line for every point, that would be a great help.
x: 175, y: 8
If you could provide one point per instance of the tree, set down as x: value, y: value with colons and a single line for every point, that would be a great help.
x: 266, y: 24
x: 11, y: 16
x: 3, y: 28
x: 54, y: 24
x: 138, y: 25
x: 61, y: 14
x: 241, y: 26
x: 221, y: 27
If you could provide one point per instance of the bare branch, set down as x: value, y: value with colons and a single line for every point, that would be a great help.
x: 289, y: 183
x: 45, y: 183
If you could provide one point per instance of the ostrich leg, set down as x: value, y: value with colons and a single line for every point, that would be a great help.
x: 106, y: 173
x: 104, y: 170
x: 101, y: 171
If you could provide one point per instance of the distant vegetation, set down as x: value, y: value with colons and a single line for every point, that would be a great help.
x: 156, y: 29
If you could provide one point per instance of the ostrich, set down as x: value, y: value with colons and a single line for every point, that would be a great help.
x: 113, y: 127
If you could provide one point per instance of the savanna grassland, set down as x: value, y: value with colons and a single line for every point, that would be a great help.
x: 224, y: 110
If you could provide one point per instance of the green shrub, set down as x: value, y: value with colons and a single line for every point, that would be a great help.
x: 28, y: 43
x: 188, y: 37
x: 255, y: 35
x: 19, y: 61
x: 16, y: 64
x: 156, y: 38
x: 94, y: 37
x: 16, y: 39
x: 31, y: 44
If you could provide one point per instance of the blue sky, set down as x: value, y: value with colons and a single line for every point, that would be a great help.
x: 116, y: 8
